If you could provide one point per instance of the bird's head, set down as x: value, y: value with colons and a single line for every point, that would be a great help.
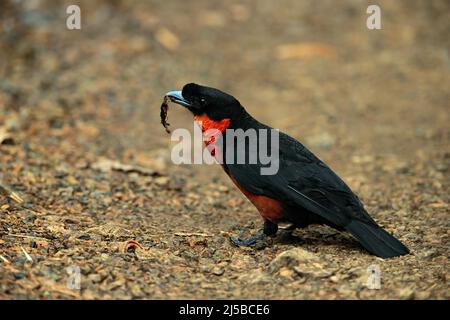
x: 200, y: 100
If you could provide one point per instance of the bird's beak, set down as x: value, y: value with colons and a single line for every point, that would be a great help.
x: 177, y: 97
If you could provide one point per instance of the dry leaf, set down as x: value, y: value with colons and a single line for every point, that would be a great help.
x: 304, y: 51
x: 167, y: 38
x: 438, y: 205
x: 240, y: 12
x: 212, y: 18
x: 130, y: 245
x: 106, y: 165
x: 5, y: 136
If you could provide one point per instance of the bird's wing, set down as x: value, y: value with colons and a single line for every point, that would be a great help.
x: 305, y: 181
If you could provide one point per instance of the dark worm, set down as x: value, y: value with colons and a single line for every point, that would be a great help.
x: 163, y: 114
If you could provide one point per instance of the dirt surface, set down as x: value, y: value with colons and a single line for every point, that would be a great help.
x: 82, y: 146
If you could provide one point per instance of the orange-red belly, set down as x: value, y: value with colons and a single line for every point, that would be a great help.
x: 269, y: 208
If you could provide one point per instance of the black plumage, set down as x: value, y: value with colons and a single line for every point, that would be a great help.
x: 308, y: 191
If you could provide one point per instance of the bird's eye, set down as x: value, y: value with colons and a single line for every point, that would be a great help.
x: 203, y: 101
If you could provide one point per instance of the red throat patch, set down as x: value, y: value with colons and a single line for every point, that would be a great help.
x: 206, y: 124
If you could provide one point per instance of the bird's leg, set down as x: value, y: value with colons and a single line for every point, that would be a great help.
x: 269, y: 229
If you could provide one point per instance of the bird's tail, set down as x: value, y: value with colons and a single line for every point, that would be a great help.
x: 376, y: 240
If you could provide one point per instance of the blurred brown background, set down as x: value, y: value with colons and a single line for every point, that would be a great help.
x: 81, y: 143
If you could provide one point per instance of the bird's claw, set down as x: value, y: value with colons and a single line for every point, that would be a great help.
x: 285, y: 233
x: 239, y: 242
x: 258, y: 241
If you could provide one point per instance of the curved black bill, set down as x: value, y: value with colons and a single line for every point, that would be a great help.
x: 177, y: 97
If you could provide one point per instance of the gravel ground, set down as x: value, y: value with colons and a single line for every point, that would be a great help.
x: 85, y: 170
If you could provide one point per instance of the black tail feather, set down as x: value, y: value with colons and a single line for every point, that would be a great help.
x: 376, y: 240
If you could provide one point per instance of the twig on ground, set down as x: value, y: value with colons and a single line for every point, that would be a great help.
x: 10, y: 194
x: 4, y: 259
x: 183, y: 234
x: 25, y: 236
x: 26, y: 255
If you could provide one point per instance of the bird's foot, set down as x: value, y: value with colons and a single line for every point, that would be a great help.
x: 258, y: 241
x: 285, y: 233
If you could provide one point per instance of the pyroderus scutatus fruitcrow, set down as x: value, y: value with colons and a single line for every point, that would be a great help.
x: 303, y: 191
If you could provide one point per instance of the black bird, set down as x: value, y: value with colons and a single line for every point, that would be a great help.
x: 304, y: 190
